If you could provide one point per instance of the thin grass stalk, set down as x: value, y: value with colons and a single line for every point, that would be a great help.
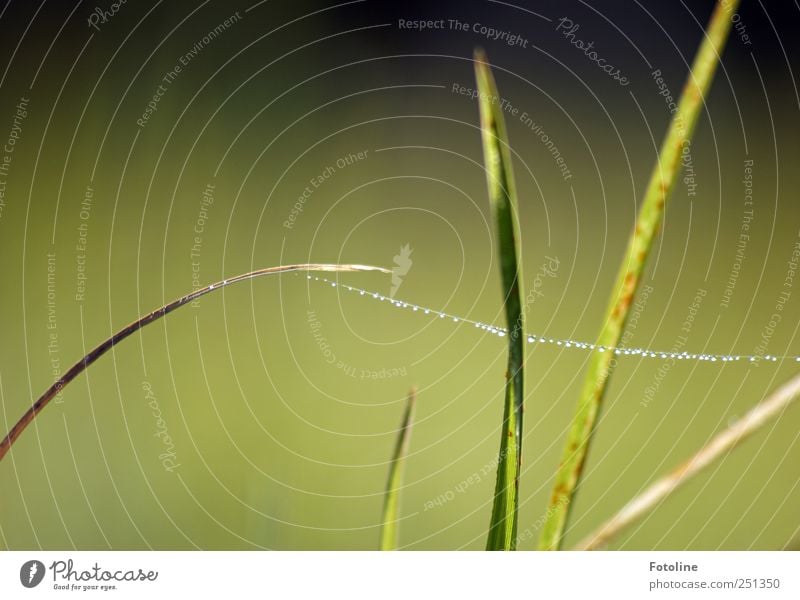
x: 502, y: 196
x: 650, y: 216
x: 80, y: 366
x: 718, y: 447
x: 391, y: 504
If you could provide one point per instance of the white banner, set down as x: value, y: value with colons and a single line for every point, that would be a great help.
x: 399, y: 575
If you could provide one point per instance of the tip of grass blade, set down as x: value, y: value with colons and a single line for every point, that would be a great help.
x: 391, y: 504
x: 333, y: 267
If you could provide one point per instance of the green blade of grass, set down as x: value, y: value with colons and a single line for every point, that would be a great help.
x: 502, y: 196
x: 84, y: 363
x: 391, y: 501
x: 650, y: 216
x: 758, y: 416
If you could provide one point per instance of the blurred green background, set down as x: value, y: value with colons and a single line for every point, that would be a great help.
x: 275, y: 447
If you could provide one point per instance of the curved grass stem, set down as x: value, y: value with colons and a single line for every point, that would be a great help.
x: 80, y: 366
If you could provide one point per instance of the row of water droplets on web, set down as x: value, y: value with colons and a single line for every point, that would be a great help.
x: 539, y: 339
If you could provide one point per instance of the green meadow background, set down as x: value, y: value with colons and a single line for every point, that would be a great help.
x: 273, y: 444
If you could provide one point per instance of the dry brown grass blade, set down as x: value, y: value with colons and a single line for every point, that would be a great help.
x: 123, y: 333
x: 726, y: 440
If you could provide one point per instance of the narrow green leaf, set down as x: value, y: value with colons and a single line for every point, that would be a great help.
x: 84, y: 363
x: 651, y: 214
x: 391, y: 501
x: 502, y: 196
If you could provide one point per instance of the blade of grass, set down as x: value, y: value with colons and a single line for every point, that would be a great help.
x: 726, y: 440
x: 651, y: 214
x: 502, y: 196
x: 391, y: 501
x: 80, y: 366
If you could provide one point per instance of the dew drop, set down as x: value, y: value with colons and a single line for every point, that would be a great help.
x: 501, y: 332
